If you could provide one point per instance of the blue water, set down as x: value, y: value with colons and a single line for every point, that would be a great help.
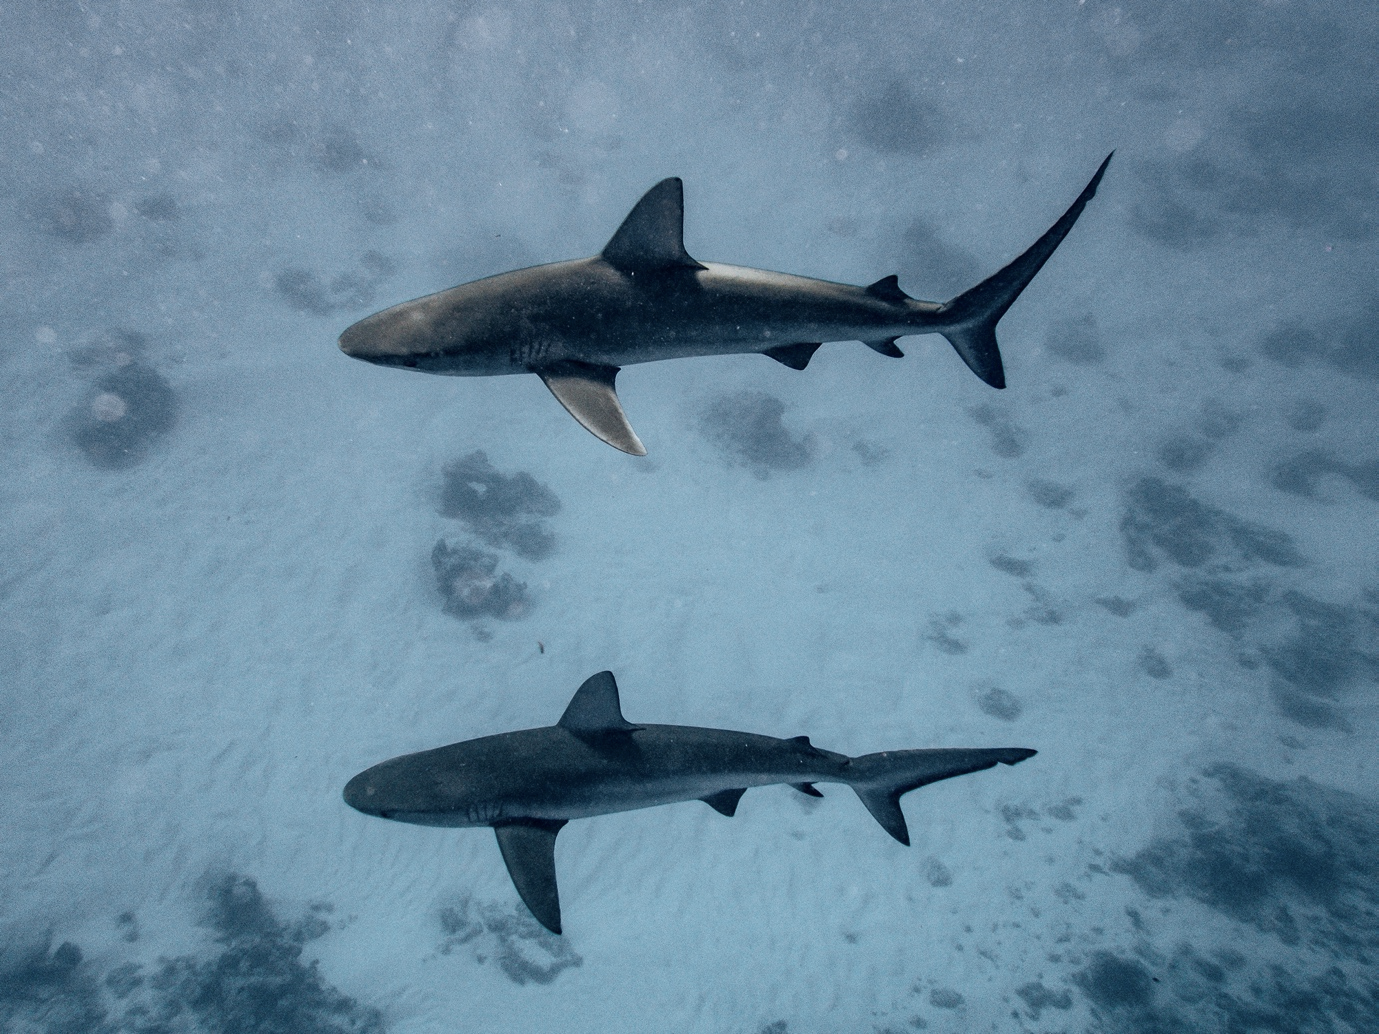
x: 1152, y: 558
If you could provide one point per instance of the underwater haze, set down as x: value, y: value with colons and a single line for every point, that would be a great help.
x: 240, y: 567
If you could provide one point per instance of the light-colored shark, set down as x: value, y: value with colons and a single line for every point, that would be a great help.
x: 528, y: 784
x: 643, y: 298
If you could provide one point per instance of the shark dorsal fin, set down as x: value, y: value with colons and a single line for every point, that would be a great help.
x: 888, y: 288
x: 588, y: 393
x: 528, y: 847
x: 652, y: 237
x: 595, y: 708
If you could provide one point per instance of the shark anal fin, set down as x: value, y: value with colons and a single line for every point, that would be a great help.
x: 807, y: 788
x: 652, y: 237
x: 795, y: 356
x: 888, y: 288
x: 528, y: 847
x: 587, y: 392
x: 595, y: 708
x: 724, y: 801
x: 886, y: 346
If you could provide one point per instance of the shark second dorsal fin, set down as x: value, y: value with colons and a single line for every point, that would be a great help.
x: 595, y: 708
x: 652, y: 237
x: 528, y: 847
x: 888, y: 288
x: 586, y: 390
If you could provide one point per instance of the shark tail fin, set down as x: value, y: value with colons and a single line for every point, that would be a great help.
x: 972, y: 316
x: 881, y: 779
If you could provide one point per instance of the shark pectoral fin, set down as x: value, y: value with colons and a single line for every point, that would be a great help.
x: 652, y: 237
x: 595, y: 708
x: 884, y: 804
x: 528, y: 847
x: 794, y: 356
x: 807, y: 788
x: 724, y: 801
x: 886, y: 346
x: 586, y: 390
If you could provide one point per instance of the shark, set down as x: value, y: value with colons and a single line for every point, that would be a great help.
x: 643, y: 298
x: 528, y: 784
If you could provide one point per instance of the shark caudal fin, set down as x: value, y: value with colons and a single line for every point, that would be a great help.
x: 972, y: 316
x: 881, y: 779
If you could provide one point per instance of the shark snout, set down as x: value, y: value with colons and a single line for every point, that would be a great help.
x: 372, y: 343
x: 399, y: 336
x: 355, y: 342
x: 361, y: 794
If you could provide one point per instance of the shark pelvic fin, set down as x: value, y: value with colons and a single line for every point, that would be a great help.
x: 724, y: 801
x: 528, y: 847
x: 886, y: 346
x: 794, y: 356
x: 586, y: 390
x: 652, y: 237
x: 807, y: 788
x: 595, y: 708
x: 888, y: 288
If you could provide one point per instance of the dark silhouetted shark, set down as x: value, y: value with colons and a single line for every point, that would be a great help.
x: 528, y: 784
x: 575, y: 324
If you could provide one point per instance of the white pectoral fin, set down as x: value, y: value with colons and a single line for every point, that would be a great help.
x: 587, y: 391
x: 528, y: 847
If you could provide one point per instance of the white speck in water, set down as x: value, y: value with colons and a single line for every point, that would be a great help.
x: 108, y: 407
x: 1183, y: 135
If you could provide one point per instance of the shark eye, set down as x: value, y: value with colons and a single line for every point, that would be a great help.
x: 410, y: 362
